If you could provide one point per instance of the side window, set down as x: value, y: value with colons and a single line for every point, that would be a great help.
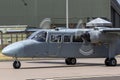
x: 55, y: 38
x: 67, y: 38
x: 77, y: 39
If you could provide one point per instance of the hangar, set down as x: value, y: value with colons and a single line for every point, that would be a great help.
x: 31, y: 12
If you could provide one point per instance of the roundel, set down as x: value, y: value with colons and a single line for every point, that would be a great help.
x: 86, y: 50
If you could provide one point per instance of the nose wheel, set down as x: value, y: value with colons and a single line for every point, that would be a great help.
x: 70, y: 61
x: 110, y: 62
x: 16, y: 64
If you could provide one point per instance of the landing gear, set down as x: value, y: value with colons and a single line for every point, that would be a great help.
x: 16, y: 64
x: 70, y: 61
x: 110, y: 62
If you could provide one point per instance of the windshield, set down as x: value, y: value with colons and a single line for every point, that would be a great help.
x: 41, y: 36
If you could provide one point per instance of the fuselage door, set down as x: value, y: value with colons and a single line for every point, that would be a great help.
x: 55, y: 44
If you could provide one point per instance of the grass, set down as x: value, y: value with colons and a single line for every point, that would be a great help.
x: 5, y: 58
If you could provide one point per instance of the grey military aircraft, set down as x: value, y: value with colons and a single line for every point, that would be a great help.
x: 97, y: 42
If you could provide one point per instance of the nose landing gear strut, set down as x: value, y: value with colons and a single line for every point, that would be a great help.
x: 16, y: 64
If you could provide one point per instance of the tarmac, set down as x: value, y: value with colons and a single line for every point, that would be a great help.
x: 56, y: 69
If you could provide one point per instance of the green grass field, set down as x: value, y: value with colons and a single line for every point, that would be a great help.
x: 2, y: 57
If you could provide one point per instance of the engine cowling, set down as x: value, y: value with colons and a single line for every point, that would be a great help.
x: 92, y: 36
x: 95, y: 36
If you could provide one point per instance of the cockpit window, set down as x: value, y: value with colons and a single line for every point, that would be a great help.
x: 41, y: 36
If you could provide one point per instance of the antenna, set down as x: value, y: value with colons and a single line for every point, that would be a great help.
x: 67, y: 26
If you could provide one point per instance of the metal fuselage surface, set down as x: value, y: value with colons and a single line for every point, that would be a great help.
x: 58, y: 44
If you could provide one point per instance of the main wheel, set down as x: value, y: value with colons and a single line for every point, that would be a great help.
x: 16, y: 64
x: 73, y: 61
x: 70, y: 61
x: 110, y: 62
x: 107, y: 61
x: 113, y: 62
x: 67, y: 61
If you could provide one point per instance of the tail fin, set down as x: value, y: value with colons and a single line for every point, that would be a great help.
x: 45, y: 24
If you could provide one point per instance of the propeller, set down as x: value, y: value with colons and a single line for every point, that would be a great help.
x: 86, y: 37
x: 45, y: 24
x: 86, y: 47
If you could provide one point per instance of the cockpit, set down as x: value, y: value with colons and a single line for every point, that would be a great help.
x: 40, y: 36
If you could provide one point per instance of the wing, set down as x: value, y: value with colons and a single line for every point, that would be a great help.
x: 111, y: 30
x: 21, y: 31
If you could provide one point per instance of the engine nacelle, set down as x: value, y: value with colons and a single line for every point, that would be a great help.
x: 92, y: 36
x: 95, y: 36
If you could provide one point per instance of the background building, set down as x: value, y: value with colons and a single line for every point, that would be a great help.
x: 31, y: 12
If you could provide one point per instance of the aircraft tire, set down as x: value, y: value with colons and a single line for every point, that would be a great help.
x: 110, y: 62
x: 67, y: 61
x: 16, y: 64
x: 70, y: 61
x: 73, y: 61
x: 107, y: 61
x: 113, y: 62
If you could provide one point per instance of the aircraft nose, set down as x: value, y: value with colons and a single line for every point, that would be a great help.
x: 13, y: 49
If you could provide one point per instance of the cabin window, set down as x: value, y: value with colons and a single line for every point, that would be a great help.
x: 67, y: 38
x: 41, y: 36
x: 77, y: 39
x: 55, y: 38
